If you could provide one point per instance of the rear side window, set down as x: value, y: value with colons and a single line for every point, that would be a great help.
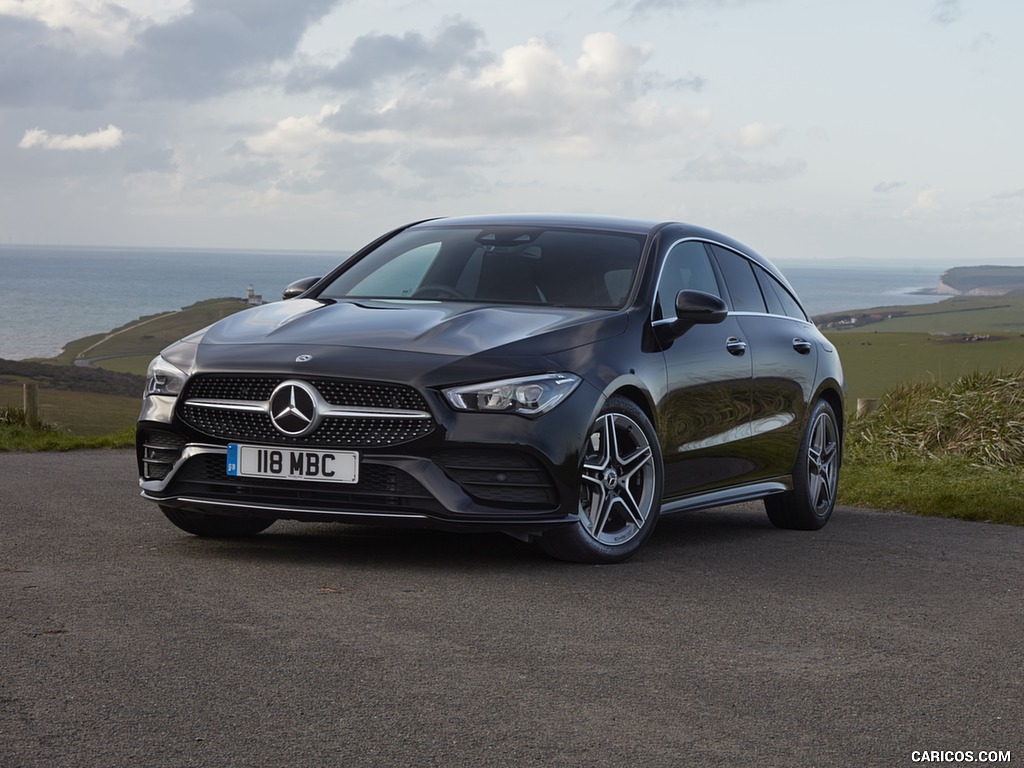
x: 780, y: 301
x: 740, y: 280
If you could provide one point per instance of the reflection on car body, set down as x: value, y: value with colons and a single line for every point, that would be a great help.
x: 564, y: 379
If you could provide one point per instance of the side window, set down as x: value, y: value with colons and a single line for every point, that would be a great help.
x: 740, y: 280
x: 687, y: 268
x: 780, y: 301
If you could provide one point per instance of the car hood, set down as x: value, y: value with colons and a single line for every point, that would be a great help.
x: 450, y: 329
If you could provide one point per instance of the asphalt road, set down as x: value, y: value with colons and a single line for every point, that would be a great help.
x: 725, y: 643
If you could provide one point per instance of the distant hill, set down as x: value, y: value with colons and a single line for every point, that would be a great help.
x: 981, y: 281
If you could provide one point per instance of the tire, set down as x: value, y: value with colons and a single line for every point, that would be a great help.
x: 815, y: 477
x: 621, y: 481
x: 216, y: 526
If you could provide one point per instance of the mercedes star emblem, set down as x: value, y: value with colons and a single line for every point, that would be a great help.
x: 293, y: 408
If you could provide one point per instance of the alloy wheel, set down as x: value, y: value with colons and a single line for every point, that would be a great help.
x: 823, y: 462
x: 617, y: 492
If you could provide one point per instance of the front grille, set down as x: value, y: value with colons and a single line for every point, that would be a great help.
x: 347, y: 431
x: 159, y: 452
x: 357, y: 394
x: 380, y: 487
x: 500, y: 478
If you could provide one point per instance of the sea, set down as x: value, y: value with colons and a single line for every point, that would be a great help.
x: 52, y: 295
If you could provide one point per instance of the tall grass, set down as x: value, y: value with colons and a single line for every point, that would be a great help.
x: 978, y: 417
x: 955, y: 450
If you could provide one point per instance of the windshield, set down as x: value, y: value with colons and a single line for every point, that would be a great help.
x: 497, y: 265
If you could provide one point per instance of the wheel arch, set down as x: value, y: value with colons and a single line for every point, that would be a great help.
x: 640, y: 398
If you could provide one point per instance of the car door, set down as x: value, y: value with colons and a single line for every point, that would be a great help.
x: 704, y: 416
x: 783, y: 353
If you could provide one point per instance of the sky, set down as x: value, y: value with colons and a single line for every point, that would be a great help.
x: 813, y: 130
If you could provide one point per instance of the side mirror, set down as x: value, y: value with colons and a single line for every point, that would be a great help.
x: 299, y: 287
x: 699, y: 308
x: 693, y: 308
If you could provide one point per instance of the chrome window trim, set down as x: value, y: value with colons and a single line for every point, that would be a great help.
x: 732, y: 312
x: 748, y: 313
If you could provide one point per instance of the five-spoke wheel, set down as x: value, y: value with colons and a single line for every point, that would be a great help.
x: 620, y: 489
x: 815, y: 477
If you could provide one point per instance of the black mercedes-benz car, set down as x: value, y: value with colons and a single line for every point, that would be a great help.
x: 564, y: 379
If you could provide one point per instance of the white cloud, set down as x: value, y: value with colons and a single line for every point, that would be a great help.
x: 531, y: 95
x: 101, y: 140
x: 301, y: 135
x: 926, y: 204
x: 760, y: 135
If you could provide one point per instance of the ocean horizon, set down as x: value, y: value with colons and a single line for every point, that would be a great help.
x: 51, y: 295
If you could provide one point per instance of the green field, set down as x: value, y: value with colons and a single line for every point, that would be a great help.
x: 72, y: 403
x: 130, y: 347
x: 875, y: 362
x: 79, y: 413
x: 930, y: 343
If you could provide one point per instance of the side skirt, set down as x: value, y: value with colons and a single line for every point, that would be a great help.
x: 728, y: 496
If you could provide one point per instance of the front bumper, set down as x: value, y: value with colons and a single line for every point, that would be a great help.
x: 472, y: 471
x: 454, y: 489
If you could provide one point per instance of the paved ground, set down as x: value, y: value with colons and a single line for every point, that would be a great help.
x: 124, y: 642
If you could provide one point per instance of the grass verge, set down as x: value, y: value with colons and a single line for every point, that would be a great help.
x: 948, y: 450
x: 947, y: 487
x: 14, y: 437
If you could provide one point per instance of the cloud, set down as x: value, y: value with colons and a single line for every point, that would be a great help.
x: 760, y: 135
x: 375, y: 57
x: 946, y: 11
x: 295, y: 135
x: 717, y: 166
x: 640, y: 8
x: 221, y: 46
x: 101, y: 140
x: 926, y: 204
x: 41, y: 66
x: 436, y: 133
x: 887, y: 186
x: 530, y: 93
x: 89, y: 53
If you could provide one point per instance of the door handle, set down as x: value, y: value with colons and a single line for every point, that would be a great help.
x: 802, y: 346
x: 735, y: 346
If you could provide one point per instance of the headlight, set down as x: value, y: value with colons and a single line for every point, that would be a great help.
x: 162, y: 378
x: 170, y: 369
x: 528, y: 396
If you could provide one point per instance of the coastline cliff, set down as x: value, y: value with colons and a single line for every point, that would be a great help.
x: 987, y: 280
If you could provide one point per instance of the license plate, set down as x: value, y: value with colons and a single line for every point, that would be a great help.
x: 292, y: 464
